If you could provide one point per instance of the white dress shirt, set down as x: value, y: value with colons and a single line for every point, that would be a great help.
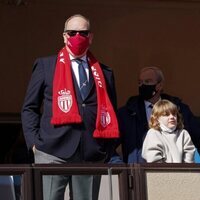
x: 148, y: 108
x: 74, y: 65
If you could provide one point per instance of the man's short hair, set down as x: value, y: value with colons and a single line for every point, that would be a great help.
x: 158, y: 72
x: 76, y: 15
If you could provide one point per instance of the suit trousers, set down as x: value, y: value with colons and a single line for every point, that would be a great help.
x: 54, y: 185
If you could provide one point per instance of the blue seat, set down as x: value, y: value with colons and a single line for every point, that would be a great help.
x: 196, y: 157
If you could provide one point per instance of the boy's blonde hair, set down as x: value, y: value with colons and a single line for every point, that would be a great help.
x: 164, y: 107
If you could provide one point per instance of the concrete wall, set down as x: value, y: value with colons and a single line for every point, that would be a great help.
x: 173, y: 185
x: 128, y: 35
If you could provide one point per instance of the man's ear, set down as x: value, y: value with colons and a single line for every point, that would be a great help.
x: 65, y: 38
x: 91, y: 38
x: 159, y: 86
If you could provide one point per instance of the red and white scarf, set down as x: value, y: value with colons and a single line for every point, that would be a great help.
x: 65, y: 108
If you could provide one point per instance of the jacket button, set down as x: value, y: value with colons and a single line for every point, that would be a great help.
x: 83, y: 105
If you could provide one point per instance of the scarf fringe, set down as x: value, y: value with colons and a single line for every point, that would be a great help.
x: 106, y: 134
x: 74, y: 119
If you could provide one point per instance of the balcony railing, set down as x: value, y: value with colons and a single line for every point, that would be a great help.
x: 118, y: 182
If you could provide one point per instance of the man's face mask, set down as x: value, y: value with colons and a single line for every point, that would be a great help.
x: 78, y: 44
x: 147, y: 91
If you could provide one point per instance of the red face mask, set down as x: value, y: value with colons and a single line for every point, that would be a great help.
x: 78, y: 44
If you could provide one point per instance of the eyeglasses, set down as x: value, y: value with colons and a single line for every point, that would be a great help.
x: 83, y: 33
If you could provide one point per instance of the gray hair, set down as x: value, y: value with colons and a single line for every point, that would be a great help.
x: 157, y: 71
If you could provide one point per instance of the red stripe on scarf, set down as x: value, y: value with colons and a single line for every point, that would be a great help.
x: 65, y: 108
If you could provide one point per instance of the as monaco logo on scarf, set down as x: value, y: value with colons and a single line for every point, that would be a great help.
x: 105, y: 118
x: 65, y: 100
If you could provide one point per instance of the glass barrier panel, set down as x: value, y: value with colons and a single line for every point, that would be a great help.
x: 104, y: 187
x: 94, y: 183
x: 10, y: 187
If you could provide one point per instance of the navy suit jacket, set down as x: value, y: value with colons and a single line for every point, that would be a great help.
x: 62, y: 141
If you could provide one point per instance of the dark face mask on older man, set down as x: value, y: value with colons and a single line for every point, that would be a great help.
x: 147, y: 91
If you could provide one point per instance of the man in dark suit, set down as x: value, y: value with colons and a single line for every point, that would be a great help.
x: 76, y: 95
x: 133, y: 117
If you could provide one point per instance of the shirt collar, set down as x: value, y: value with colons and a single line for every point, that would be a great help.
x: 147, y: 103
x: 84, y: 58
